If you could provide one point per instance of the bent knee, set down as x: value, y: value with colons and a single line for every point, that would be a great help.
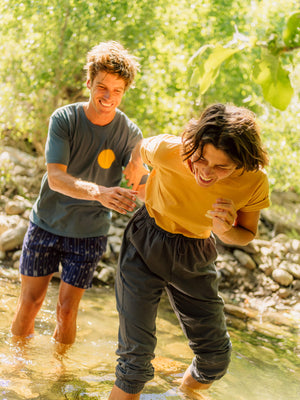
x: 66, y: 311
x: 30, y: 301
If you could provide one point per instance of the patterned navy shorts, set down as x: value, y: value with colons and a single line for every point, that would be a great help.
x: 43, y: 251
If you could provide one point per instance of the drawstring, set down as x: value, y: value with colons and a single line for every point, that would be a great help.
x: 179, y: 245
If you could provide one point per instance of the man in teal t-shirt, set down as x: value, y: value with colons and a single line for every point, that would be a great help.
x: 87, y: 147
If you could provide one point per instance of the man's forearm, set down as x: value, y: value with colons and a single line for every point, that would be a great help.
x: 237, y: 235
x: 64, y: 183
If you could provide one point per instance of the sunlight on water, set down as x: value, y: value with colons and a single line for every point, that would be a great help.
x: 264, y: 371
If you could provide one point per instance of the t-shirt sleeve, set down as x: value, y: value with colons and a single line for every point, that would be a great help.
x: 57, y: 148
x: 260, y: 197
x: 150, y: 148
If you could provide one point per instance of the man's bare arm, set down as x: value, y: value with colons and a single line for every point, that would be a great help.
x: 116, y: 198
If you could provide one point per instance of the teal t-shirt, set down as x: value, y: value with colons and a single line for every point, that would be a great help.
x: 91, y: 152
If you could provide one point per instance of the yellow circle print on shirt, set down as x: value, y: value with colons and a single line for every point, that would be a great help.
x: 106, y: 158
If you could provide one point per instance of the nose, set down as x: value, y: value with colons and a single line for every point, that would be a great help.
x: 207, y: 172
x: 106, y: 94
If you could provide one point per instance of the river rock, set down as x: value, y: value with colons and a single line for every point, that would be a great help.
x: 296, y: 286
x: 266, y: 268
x: 17, y: 255
x: 287, y: 217
x: 293, y: 269
x: 284, y: 293
x: 8, y: 221
x: 12, y: 238
x: 244, y: 259
x: 239, y: 312
x: 14, y: 207
x: 18, y: 157
x: 295, y: 245
x: 106, y: 275
x: 282, y: 276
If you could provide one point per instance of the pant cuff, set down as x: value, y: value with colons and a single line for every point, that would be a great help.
x: 129, y: 388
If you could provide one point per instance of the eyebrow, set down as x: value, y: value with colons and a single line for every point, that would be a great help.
x: 102, y: 83
x: 216, y: 165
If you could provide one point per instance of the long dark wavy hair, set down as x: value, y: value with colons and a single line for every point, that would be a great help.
x: 231, y: 129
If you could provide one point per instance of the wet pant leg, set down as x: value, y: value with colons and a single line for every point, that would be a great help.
x: 203, y: 322
x: 138, y: 292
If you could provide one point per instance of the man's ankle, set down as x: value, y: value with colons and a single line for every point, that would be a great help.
x: 119, y: 394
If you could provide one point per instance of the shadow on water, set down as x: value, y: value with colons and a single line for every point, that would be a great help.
x: 261, y: 368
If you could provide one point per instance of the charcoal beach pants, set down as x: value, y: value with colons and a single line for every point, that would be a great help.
x: 153, y: 260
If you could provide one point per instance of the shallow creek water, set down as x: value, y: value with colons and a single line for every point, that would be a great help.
x: 261, y: 368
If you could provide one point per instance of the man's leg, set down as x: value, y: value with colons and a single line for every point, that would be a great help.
x: 67, y: 309
x: 33, y: 292
x: 119, y: 394
x: 138, y: 292
x: 204, y: 325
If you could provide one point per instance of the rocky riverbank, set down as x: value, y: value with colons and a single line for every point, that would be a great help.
x: 260, y: 283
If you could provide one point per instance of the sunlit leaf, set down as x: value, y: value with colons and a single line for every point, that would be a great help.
x: 199, y: 52
x: 212, y: 66
x: 219, y: 55
x: 207, y: 79
x: 291, y: 34
x: 195, y: 77
x: 274, y: 80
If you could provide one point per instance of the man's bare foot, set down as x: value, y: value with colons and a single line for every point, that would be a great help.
x: 192, y: 387
x: 193, y: 395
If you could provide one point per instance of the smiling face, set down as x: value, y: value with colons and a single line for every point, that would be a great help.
x: 213, y: 166
x: 106, y: 92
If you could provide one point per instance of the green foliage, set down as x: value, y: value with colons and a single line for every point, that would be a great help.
x: 291, y: 33
x: 268, y: 69
x: 192, y: 53
x: 282, y: 140
x: 274, y: 80
x: 207, y: 72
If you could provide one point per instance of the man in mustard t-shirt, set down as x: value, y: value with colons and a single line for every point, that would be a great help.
x: 209, y: 181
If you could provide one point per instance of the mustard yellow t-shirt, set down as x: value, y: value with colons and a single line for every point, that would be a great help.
x: 178, y: 204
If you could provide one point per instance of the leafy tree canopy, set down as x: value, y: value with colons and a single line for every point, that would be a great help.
x: 192, y: 53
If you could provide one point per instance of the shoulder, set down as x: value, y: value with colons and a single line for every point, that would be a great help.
x: 67, y: 110
x: 163, y: 142
x: 258, y: 178
x: 161, y: 147
x: 66, y: 117
x: 255, y: 187
x: 124, y: 121
x: 66, y: 114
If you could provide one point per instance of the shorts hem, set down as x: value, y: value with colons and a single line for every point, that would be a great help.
x: 36, y: 276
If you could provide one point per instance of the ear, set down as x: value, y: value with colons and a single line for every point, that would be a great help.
x: 88, y: 84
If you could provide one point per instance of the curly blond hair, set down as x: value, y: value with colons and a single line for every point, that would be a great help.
x: 112, y: 58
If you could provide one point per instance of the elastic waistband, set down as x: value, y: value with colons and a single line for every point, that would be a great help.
x: 142, y: 214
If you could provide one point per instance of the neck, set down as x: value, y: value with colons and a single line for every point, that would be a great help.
x: 97, y: 118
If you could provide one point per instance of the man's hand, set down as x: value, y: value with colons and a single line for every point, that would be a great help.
x: 230, y: 226
x: 117, y: 198
x: 134, y: 173
x: 135, y: 169
x: 223, y: 216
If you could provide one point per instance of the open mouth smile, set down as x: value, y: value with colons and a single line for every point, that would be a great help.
x: 205, y: 180
x: 104, y: 104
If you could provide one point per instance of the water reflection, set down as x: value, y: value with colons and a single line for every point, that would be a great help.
x: 260, y: 370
